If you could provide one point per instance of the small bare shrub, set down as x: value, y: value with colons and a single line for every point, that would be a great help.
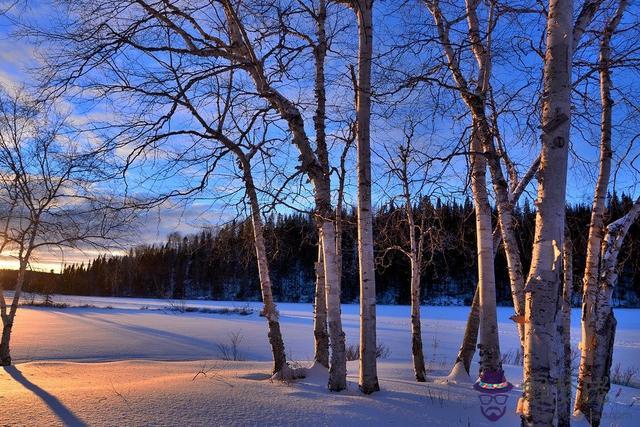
x: 624, y: 377
x: 231, y: 350
x: 353, y: 351
x: 46, y: 301
x: 513, y: 357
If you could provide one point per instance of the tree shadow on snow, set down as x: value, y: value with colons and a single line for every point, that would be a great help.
x: 62, y: 412
x: 256, y: 376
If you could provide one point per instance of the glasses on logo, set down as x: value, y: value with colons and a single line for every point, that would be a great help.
x: 500, y: 399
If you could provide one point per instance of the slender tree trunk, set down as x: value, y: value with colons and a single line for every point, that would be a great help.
x: 588, y: 392
x: 416, y: 327
x: 476, y: 102
x: 605, y: 325
x: 543, y: 282
x: 415, y: 257
x: 320, y: 314
x: 270, y: 310
x: 470, y: 338
x: 8, y: 318
x: 338, y: 365
x: 489, y: 342
x: 318, y: 174
x: 368, y: 379
x: 564, y: 330
x: 486, y: 135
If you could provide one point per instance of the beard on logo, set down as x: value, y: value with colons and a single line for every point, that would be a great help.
x: 493, y: 413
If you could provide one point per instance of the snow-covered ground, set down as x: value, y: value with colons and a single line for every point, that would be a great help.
x: 148, y: 358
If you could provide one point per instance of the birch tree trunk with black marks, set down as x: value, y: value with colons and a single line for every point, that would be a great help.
x: 368, y: 375
x: 605, y: 325
x: 470, y: 338
x: 320, y: 334
x: 319, y: 119
x: 8, y: 314
x: 270, y: 311
x: 544, y: 280
x: 475, y: 100
x: 415, y: 258
x: 489, y: 342
x: 564, y: 330
x: 312, y: 166
x: 589, y: 390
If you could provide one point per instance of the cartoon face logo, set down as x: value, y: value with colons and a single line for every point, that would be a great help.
x: 493, y: 406
x: 493, y: 388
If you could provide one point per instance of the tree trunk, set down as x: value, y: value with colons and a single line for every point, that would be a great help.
x: 588, y: 393
x: 320, y: 313
x: 470, y: 339
x: 270, y: 310
x: 415, y: 257
x: 564, y: 330
x: 486, y: 135
x: 543, y: 282
x: 368, y: 379
x: 338, y: 365
x: 605, y: 324
x: 476, y: 101
x: 317, y: 173
x: 8, y: 318
x: 489, y: 342
x: 416, y: 327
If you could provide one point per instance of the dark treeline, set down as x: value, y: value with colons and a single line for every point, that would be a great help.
x: 220, y: 263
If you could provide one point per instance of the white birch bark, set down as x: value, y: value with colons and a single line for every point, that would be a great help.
x: 320, y: 334
x: 543, y: 282
x: 564, y: 330
x: 368, y: 378
x: 605, y: 320
x: 415, y: 257
x: 476, y: 102
x: 588, y: 391
x: 338, y: 365
x: 489, y: 345
x: 320, y: 307
x: 270, y: 310
x: 313, y: 168
x: 470, y: 337
x: 8, y: 314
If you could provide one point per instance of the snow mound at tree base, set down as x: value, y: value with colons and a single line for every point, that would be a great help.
x: 458, y: 375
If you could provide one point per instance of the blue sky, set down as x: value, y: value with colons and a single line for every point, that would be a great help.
x: 17, y: 56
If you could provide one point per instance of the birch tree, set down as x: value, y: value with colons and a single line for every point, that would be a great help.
x: 489, y: 342
x: 48, y: 179
x: 590, y: 394
x: 470, y: 337
x: 222, y: 42
x: 543, y: 281
x: 410, y: 172
x: 544, y: 276
x: 368, y: 374
x: 475, y: 98
x: 564, y: 330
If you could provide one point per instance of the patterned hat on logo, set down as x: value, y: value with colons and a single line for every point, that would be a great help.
x: 493, y: 382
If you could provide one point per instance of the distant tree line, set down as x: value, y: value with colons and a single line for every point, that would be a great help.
x: 220, y: 263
